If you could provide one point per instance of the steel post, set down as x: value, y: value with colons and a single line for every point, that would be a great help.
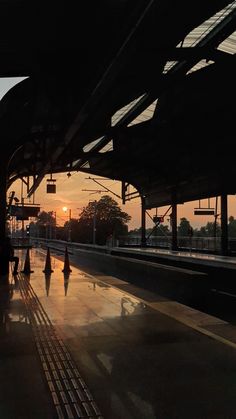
x: 224, y: 224
x: 143, y: 223
x: 174, y: 243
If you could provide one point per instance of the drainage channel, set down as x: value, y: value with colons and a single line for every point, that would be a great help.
x: 70, y: 394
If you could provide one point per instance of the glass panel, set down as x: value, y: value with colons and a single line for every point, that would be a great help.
x: 202, y: 30
x: 107, y: 147
x: 229, y: 44
x: 86, y: 165
x: 89, y: 146
x: 145, y: 115
x: 169, y: 65
x: 121, y: 112
x: 199, y: 65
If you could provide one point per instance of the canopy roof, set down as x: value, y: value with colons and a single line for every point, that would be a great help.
x: 132, y: 90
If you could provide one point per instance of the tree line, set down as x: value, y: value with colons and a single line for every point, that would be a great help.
x: 211, y: 229
x: 103, y: 219
x: 100, y: 221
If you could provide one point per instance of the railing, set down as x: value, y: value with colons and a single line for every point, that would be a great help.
x: 20, y: 242
x: 61, y: 244
x: 205, y: 244
x: 201, y: 244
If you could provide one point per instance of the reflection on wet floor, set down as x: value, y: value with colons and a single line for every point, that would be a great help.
x: 22, y: 395
x: 97, y: 299
x: 9, y: 313
x: 137, y: 362
x: 6, y: 293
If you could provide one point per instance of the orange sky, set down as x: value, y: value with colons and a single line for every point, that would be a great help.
x: 70, y: 194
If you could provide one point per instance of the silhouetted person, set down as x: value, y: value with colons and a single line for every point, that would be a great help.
x: 6, y: 293
x: 6, y: 256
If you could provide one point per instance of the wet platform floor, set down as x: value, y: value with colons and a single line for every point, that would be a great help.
x: 141, y: 357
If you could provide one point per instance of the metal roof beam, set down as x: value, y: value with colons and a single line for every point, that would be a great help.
x: 104, y: 83
x: 204, y: 49
x: 220, y: 32
x: 198, y: 53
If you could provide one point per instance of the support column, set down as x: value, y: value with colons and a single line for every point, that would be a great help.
x: 174, y: 244
x: 4, y: 263
x: 143, y: 222
x: 95, y: 222
x: 3, y: 191
x: 224, y: 224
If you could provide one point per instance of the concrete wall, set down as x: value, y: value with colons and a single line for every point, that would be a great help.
x: 180, y: 284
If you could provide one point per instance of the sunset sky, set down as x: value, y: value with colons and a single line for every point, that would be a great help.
x: 70, y: 194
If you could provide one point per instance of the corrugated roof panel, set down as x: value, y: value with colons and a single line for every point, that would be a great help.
x: 199, y: 65
x: 202, y: 30
x: 229, y: 44
x: 145, y: 115
x: 121, y: 112
x: 107, y: 147
x: 89, y: 146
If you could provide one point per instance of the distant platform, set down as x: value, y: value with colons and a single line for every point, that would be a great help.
x: 189, y: 257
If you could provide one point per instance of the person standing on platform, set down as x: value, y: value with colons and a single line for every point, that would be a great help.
x: 6, y: 256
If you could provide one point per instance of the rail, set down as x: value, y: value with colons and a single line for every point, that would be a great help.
x: 203, y: 244
x: 200, y: 244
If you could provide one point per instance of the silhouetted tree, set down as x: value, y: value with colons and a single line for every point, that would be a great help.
x: 232, y: 227
x: 44, y: 225
x: 211, y: 229
x: 184, y: 227
x: 161, y: 230
x: 73, y: 224
x: 106, y: 216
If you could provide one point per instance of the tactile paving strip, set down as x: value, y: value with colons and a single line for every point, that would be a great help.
x: 70, y: 395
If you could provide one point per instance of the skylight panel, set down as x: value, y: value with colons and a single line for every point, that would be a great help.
x: 86, y: 165
x: 107, y: 147
x: 202, y: 30
x: 74, y: 163
x: 89, y: 146
x: 145, y: 115
x: 169, y: 65
x: 123, y: 111
x: 229, y: 44
x: 199, y: 65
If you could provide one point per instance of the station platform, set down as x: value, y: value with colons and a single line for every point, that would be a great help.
x: 79, y: 345
x: 180, y: 257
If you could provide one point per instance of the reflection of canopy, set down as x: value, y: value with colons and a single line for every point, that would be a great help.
x: 146, y: 84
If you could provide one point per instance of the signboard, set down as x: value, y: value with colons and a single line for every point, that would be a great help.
x: 158, y: 219
x: 21, y: 217
x: 51, y: 188
x: 24, y: 212
x: 204, y: 212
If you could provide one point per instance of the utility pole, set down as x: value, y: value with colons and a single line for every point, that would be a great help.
x: 55, y: 233
x: 69, y: 231
x: 22, y: 221
x: 94, y: 222
x: 69, y: 223
x: 143, y: 222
